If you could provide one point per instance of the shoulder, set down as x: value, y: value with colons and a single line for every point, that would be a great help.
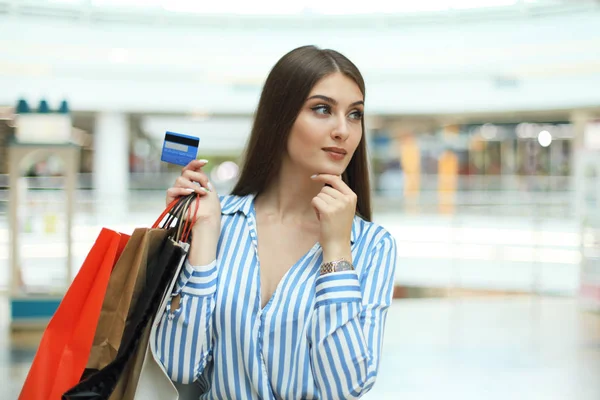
x: 231, y: 204
x: 371, y: 235
x: 229, y: 199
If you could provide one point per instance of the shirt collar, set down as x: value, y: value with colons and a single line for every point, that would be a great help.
x: 238, y: 203
x: 244, y: 204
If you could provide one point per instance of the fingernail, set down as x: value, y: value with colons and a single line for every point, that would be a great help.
x: 203, y: 161
x: 210, y: 187
x: 189, y: 190
x: 206, y: 190
x: 315, y: 175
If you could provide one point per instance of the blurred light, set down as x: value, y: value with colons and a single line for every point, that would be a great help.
x: 545, y: 138
x: 488, y: 131
x: 226, y: 171
x: 522, y: 130
x: 591, y: 135
x: 199, y: 115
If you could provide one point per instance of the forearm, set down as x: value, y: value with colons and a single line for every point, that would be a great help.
x: 203, y: 249
x: 334, y: 252
x: 184, y: 335
x: 190, y: 310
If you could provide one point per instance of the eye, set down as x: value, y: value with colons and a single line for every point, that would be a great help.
x: 322, y: 109
x: 357, y: 115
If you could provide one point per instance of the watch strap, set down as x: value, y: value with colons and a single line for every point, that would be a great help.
x: 336, y: 266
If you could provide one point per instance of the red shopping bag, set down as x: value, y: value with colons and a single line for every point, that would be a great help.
x: 65, y: 346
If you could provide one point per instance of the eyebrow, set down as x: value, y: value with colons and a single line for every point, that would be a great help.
x: 333, y: 101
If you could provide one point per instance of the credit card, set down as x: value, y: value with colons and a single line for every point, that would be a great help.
x: 179, y: 149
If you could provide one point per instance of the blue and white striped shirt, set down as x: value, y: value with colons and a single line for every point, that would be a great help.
x: 318, y: 337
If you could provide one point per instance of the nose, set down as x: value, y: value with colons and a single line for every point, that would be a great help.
x: 341, y: 130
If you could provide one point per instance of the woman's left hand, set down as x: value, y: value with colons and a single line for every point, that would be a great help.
x: 335, y: 206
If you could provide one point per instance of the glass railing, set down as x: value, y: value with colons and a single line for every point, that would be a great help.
x: 505, y: 233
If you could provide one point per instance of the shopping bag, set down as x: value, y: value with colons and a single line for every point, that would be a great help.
x: 63, y: 351
x: 124, y: 287
x: 128, y: 381
x: 160, y: 272
x: 152, y: 381
x: 125, y: 284
x: 162, y: 269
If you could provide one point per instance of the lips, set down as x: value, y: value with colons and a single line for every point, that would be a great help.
x: 335, y: 150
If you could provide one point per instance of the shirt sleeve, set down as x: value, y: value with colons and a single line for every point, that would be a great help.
x: 184, y: 336
x: 347, y: 325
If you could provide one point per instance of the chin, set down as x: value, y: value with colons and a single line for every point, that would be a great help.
x: 331, y: 170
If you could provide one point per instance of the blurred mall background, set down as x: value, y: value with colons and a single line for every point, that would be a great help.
x: 483, y: 121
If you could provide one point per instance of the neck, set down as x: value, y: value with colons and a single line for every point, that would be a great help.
x: 290, y: 195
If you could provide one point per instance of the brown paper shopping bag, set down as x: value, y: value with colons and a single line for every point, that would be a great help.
x: 126, y: 282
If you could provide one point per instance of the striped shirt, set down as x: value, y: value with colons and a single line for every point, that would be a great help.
x: 318, y: 337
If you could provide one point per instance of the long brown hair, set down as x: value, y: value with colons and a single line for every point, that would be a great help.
x: 288, y: 85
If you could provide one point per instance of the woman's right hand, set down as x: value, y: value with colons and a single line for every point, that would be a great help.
x: 192, y: 179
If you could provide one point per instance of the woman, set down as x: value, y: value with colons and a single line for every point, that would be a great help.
x: 287, y: 283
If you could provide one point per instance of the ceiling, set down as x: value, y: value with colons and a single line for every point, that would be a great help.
x: 526, y: 57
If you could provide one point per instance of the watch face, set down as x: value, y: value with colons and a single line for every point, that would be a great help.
x: 343, y: 266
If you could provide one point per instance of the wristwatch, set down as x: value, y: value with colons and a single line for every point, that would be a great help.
x: 336, y: 266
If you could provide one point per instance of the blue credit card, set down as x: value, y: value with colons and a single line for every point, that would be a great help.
x: 179, y: 149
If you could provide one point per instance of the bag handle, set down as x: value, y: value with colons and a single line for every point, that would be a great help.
x: 191, y: 220
x: 181, y: 222
x: 176, y: 213
x: 173, y: 210
x: 177, y: 209
x: 165, y: 212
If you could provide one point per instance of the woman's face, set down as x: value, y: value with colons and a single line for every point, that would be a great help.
x: 328, y: 128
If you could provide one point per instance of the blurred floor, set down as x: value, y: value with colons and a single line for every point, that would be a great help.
x: 470, y: 252
x: 514, y: 348
x: 490, y: 348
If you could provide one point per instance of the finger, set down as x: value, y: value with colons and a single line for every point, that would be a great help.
x: 327, y: 198
x: 320, y: 205
x: 334, y: 180
x: 175, y: 192
x: 336, y: 194
x: 194, y: 176
x: 194, y: 165
x: 185, y: 183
